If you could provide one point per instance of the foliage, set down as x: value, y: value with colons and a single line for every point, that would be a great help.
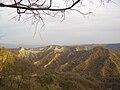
x: 6, y: 57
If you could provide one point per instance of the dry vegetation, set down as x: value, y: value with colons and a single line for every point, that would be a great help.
x: 96, y: 69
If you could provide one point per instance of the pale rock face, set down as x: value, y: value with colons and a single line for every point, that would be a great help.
x: 86, y: 48
x: 76, y: 49
x: 27, y: 54
x: 22, y: 49
x: 49, y: 63
x: 41, y: 49
x: 50, y: 47
x: 31, y: 54
x: 61, y: 49
x: 37, y: 63
x: 79, y: 49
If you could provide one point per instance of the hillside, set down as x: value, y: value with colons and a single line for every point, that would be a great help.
x: 61, y: 67
x: 98, y: 61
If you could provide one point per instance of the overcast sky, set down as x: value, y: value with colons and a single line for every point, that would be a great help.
x: 103, y: 27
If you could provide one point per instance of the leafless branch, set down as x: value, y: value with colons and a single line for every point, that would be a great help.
x: 40, y: 8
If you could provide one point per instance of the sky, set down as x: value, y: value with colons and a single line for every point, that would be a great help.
x: 101, y: 28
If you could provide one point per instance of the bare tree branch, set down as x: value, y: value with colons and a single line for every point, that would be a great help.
x: 27, y: 6
x: 18, y: 5
x: 40, y: 8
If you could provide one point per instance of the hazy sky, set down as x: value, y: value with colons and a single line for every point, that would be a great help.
x: 104, y: 27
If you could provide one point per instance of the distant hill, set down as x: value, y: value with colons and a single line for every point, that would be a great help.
x: 7, y: 45
x: 114, y: 47
x: 97, y: 61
